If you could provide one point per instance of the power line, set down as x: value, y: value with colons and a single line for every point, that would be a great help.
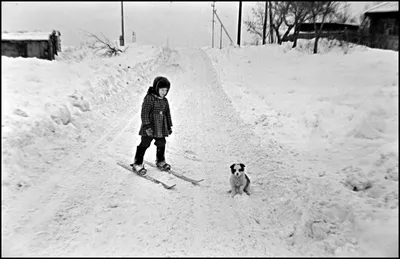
x: 213, y: 6
x: 223, y: 26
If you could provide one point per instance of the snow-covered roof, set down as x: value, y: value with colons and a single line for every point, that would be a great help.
x: 384, y: 7
x: 25, y: 35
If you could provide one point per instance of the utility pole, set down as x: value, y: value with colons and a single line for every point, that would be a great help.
x: 213, y: 6
x: 265, y: 22
x: 239, y: 22
x: 122, y: 21
x: 271, y: 32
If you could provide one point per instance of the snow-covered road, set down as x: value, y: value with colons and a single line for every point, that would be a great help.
x: 87, y: 205
x: 83, y: 204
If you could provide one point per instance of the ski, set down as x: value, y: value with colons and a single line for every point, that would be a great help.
x: 154, y: 180
x: 170, y: 171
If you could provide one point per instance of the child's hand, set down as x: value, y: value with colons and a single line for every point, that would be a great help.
x: 149, y: 132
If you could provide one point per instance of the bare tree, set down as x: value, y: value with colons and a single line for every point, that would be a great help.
x: 299, y: 12
x: 109, y: 49
x: 363, y: 29
x: 321, y: 11
x: 344, y: 15
x: 290, y: 14
x: 255, y: 26
x: 280, y: 10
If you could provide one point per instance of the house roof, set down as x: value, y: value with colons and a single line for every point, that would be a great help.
x: 25, y: 35
x: 384, y: 7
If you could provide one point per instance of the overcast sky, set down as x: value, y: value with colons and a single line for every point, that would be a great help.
x: 179, y: 23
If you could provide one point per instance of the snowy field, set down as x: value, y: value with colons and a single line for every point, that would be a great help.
x: 318, y: 135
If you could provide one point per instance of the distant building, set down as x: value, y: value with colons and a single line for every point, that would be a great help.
x: 331, y: 30
x: 31, y: 44
x: 384, y: 25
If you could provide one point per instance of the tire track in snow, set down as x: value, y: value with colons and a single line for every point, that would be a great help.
x: 209, y: 127
x: 59, y: 191
x: 102, y: 214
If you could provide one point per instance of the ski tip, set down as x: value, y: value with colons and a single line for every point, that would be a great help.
x: 170, y: 187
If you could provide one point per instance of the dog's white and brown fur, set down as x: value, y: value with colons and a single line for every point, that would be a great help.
x: 239, y: 180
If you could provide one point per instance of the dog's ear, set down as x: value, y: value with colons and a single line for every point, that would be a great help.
x: 242, y: 165
x: 232, y: 166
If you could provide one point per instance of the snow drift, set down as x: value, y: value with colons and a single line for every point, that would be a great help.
x: 318, y: 133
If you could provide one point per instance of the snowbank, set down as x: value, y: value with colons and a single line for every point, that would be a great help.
x: 338, y: 108
x: 333, y: 99
x: 60, y: 99
x: 321, y: 145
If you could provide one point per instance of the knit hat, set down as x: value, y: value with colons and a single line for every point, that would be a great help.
x: 161, y: 82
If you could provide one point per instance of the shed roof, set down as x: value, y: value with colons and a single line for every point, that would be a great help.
x: 384, y: 7
x: 25, y: 35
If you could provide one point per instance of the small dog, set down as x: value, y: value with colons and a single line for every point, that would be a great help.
x: 239, y: 180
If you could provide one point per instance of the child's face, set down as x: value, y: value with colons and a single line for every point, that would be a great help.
x: 162, y: 92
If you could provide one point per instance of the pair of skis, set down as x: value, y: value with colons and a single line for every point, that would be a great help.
x: 154, y: 180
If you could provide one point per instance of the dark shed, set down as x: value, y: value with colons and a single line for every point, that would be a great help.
x: 340, y: 31
x: 384, y: 25
x: 31, y: 44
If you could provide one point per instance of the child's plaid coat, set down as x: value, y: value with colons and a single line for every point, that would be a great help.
x: 155, y: 115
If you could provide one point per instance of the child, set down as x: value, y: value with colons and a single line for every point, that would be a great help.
x: 156, y: 124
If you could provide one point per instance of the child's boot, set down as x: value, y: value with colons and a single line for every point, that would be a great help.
x: 161, y: 159
x: 138, y: 164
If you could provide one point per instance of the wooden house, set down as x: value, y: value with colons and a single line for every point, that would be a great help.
x: 384, y: 25
x: 31, y: 44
